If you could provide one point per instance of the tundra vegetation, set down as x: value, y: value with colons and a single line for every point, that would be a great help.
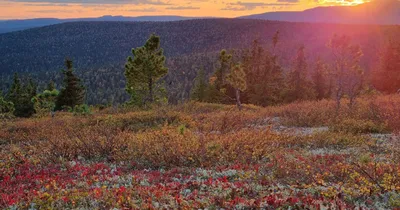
x: 253, y: 136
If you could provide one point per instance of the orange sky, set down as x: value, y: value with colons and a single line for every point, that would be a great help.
x: 22, y: 9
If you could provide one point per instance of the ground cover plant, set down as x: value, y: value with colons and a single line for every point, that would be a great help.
x: 200, y: 155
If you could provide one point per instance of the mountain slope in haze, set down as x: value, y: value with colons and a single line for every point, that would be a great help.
x: 99, y: 49
x: 16, y: 25
x: 374, y: 12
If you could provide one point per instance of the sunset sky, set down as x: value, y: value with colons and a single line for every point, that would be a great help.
x: 23, y: 9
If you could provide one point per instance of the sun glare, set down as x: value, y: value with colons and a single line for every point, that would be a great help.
x: 343, y: 2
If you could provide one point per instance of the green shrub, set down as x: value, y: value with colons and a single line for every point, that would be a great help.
x: 82, y: 109
x: 6, y: 109
x: 358, y: 126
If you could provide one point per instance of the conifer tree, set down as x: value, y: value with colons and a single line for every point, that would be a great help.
x: 31, y: 88
x: 51, y: 86
x: 6, y: 107
x: 319, y: 80
x: 73, y: 92
x: 143, y: 70
x: 300, y: 88
x: 387, y: 77
x: 264, y: 76
x: 225, y: 63
x: 237, y: 79
x: 15, y: 89
x: 199, y: 91
x: 20, y: 95
x: 275, y: 40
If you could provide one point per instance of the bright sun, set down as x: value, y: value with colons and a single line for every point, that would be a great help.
x: 343, y: 2
x: 358, y: 2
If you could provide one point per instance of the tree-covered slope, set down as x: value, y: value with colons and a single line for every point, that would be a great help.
x: 99, y: 49
x: 17, y: 25
x: 373, y: 12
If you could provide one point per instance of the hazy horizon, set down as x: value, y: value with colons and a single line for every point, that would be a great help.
x: 64, y: 9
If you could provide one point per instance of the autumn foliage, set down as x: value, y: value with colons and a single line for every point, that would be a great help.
x: 200, y: 155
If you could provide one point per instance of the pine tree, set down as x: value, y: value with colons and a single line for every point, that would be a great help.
x: 264, y: 76
x: 51, y: 86
x: 143, y: 70
x: 275, y: 40
x: 237, y: 79
x: 199, y: 91
x: 15, y: 89
x: 225, y: 63
x: 6, y: 107
x: 299, y: 87
x: 387, y: 77
x: 73, y: 92
x: 320, y: 80
x: 31, y: 88
x: 21, y: 96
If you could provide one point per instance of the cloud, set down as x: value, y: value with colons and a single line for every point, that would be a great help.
x: 55, y: 11
x: 243, y: 6
x: 151, y: 9
x: 183, y: 8
x: 47, y: 4
x: 135, y: 2
x: 288, y: 1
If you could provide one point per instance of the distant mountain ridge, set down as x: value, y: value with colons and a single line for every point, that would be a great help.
x: 375, y: 12
x: 384, y: 12
x: 17, y: 25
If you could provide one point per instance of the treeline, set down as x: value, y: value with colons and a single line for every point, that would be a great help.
x: 252, y: 76
x: 99, y: 49
x: 23, y: 99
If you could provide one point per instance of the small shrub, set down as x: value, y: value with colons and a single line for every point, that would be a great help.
x: 308, y: 114
x: 83, y: 109
x: 358, y: 126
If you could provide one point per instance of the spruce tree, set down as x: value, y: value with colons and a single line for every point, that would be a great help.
x: 15, y: 89
x: 320, y: 80
x: 237, y: 79
x: 73, y: 92
x: 6, y: 107
x: 199, y: 90
x: 264, y: 76
x: 387, y: 77
x: 51, y: 86
x: 225, y: 63
x: 299, y: 87
x: 143, y: 70
x: 21, y: 96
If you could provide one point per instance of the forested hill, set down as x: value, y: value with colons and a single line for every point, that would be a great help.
x: 370, y: 12
x: 102, y: 47
x: 17, y: 25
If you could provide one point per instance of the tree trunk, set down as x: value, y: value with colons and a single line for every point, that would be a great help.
x: 338, y: 98
x: 352, y: 101
x: 239, y: 105
x: 151, y: 90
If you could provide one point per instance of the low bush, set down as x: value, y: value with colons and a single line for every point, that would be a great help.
x: 358, y: 126
x: 199, y: 157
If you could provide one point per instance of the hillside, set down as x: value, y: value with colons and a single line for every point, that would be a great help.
x: 304, y: 155
x: 375, y: 12
x: 102, y: 47
x: 17, y: 25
